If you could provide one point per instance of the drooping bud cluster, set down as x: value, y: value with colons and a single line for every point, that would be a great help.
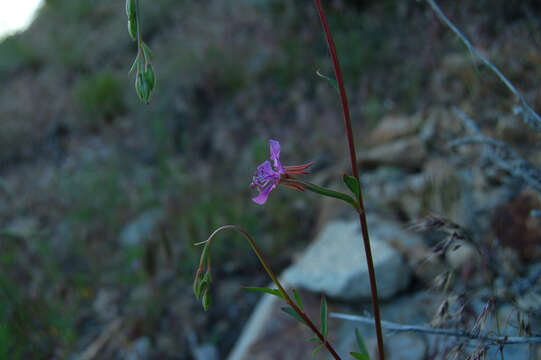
x: 144, y: 77
x: 201, y: 284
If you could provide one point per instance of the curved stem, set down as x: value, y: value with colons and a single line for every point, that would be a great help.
x: 274, y: 278
x: 353, y: 157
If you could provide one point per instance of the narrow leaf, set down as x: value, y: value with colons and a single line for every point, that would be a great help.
x: 330, y: 80
x: 362, y: 346
x: 358, y: 356
x: 317, y: 349
x: 314, y: 339
x: 298, y: 299
x: 274, y: 292
x: 292, y: 313
x: 324, y: 328
x: 352, y: 184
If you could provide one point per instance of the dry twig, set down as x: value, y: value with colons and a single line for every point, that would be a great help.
x: 487, y: 339
x: 529, y: 116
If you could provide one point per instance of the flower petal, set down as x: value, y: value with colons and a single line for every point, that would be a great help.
x: 275, y: 156
x: 262, y: 197
x: 265, y: 169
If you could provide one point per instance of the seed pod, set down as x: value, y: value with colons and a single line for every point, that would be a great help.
x: 149, y: 77
x: 132, y: 28
x: 130, y: 9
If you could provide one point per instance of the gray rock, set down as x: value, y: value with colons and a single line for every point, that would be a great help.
x: 140, y: 349
x: 407, y: 346
x: 137, y: 231
x: 335, y: 264
x: 408, y: 153
x: 206, y: 352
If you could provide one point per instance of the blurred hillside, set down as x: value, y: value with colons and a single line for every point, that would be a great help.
x: 101, y: 197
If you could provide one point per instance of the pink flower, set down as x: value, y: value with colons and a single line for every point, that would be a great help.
x: 268, y: 176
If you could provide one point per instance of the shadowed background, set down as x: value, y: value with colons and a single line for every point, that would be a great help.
x: 102, y: 197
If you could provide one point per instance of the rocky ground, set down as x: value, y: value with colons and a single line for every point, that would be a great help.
x: 101, y: 198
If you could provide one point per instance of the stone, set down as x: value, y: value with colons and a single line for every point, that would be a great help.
x: 464, y: 255
x: 393, y: 127
x: 206, y: 352
x: 409, y: 153
x: 271, y: 334
x: 137, y: 231
x: 335, y: 264
x: 406, y: 346
x: 139, y: 350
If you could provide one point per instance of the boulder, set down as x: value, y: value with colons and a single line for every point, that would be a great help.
x: 335, y: 264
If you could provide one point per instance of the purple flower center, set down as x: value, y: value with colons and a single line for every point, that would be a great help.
x: 267, y: 176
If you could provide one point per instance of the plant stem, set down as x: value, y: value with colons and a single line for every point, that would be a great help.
x: 353, y: 157
x: 274, y: 278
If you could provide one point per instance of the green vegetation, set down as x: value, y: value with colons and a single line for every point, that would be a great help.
x: 101, y: 95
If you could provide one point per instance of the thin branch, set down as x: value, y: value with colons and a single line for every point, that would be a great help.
x: 487, y: 339
x: 530, y: 117
x: 505, y: 158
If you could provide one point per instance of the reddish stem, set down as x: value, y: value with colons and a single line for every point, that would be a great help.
x: 353, y: 157
x: 274, y: 278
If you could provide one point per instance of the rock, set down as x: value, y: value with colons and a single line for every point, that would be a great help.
x: 394, y: 127
x: 335, y: 264
x: 206, y: 352
x: 516, y: 228
x: 140, y: 349
x: 137, y: 231
x: 409, y: 153
x: 24, y: 227
x: 465, y: 255
x: 406, y: 346
x: 271, y: 334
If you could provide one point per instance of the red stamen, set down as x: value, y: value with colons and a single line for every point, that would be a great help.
x: 294, y: 186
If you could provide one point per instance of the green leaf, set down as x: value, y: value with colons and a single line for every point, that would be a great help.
x: 314, y: 339
x: 361, y: 344
x: 317, y: 349
x: 358, y: 356
x: 330, y: 80
x: 352, y: 184
x: 292, y: 313
x: 330, y: 193
x: 274, y: 292
x: 298, y: 299
x: 324, y: 327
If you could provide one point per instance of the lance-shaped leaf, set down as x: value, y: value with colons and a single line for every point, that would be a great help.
x: 358, y: 356
x: 363, y: 355
x: 323, y: 311
x: 298, y: 299
x: 352, y: 185
x: 292, y: 313
x: 274, y: 292
x: 317, y: 349
x: 330, y: 80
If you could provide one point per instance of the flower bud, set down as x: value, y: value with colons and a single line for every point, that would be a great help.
x: 149, y: 77
x: 130, y: 9
x: 132, y: 28
x: 139, y: 86
x: 206, y: 300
